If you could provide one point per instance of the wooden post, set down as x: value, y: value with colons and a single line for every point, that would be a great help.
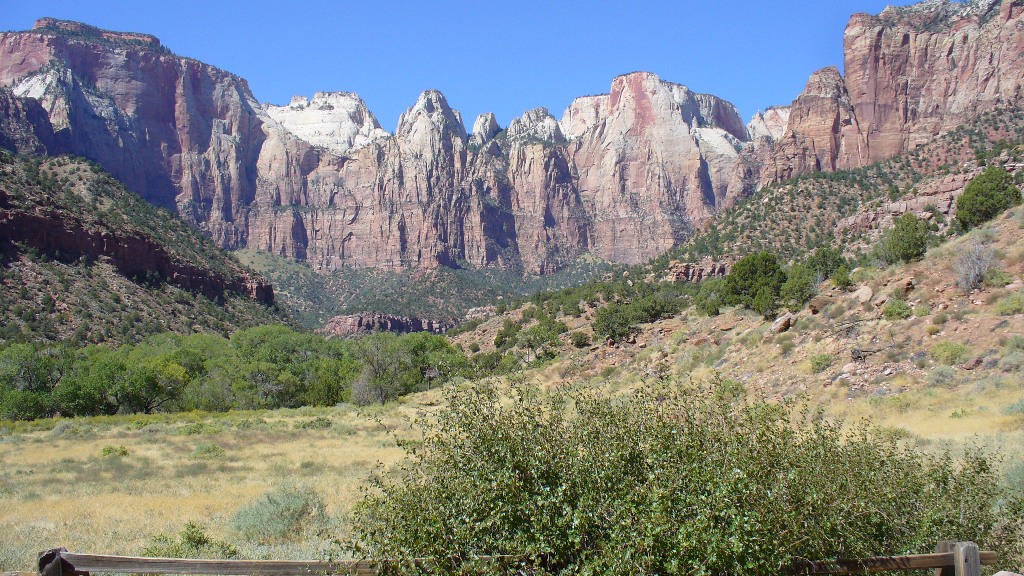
x: 967, y: 558
x: 944, y: 547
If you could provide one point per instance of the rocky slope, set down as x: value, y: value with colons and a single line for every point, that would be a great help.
x: 82, y: 256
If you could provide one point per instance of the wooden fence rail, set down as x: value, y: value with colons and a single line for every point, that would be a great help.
x: 950, y: 559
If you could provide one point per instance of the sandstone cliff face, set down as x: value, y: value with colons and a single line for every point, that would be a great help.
x: 911, y: 73
x: 653, y: 160
x: 624, y: 175
x: 318, y: 180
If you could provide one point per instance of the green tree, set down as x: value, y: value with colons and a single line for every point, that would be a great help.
x: 799, y: 287
x: 906, y: 241
x: 710, y: 296
x: 825, y: 261
x: 751, y: 275
x: 388, y: 371
x: 988, y: 195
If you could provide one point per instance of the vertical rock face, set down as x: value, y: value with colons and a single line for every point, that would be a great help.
x: 653, y: 159
x: 917, y: 71
x: 911, y: 73
x: 821, y: 132
x: 623, y: 175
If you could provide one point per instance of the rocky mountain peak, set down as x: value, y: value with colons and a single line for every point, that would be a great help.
x: 769, y: 124
x: 430, y: 114
x: 647, y: 100
x: 537, y: 125
x: 337, y: 121
x: 825, y: 83
x: 484, y: 128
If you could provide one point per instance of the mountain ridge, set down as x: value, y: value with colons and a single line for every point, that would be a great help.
x: 623, y: 176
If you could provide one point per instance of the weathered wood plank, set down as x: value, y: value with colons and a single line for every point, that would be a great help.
x: 130, y: 564
x: 967, y: 559
x: 962, y: 555
x: 209, y: 567
x: 889, y: 564
x: 942, y: 548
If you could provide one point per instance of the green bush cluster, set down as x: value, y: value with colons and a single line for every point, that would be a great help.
x: 906, y: 241
x: 672, y: 480
x: 950, y: 353
x: 986, y: 196
x: 191, y: 542
x: 897, y: 310
x: 264, y: 367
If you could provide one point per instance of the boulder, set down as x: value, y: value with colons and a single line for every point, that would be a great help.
x: 863, y: 294
x: 783, y: 324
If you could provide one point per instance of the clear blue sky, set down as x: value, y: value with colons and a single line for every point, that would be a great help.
x: 486, y: 56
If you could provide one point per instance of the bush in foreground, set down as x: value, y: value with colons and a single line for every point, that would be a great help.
x: 669, y: 481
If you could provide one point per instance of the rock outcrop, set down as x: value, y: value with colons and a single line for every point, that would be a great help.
x: 357, y: 324
x: 912, y: 73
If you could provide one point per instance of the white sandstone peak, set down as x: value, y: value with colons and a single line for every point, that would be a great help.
x: 337, y: 121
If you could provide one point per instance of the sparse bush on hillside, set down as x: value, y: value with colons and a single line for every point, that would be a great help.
x: 1010, y: 305
x: 583, y: 484
x: 950, y: 353
x: 986, y: 196
x: 821, y: 362
x: 897, y: 310
x: 972, y: 264
x: 906, y: 241
x: 941, y: 376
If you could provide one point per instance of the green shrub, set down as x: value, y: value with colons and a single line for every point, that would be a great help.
x: 799, y: 287
x: 318, y: 423
x: 192, y: 542
x: 841, y: 278
x: 941, y: 376
x: 1015, y: 408
x: 208, y: 452
x: 950, y: 353
x: 285, y: 513
x: 1015, y: 344
x: 1012, y: 362
x: 820, y: 362
x: 988, y: 195
x: 1010, y: 305
x: 906, y: 241
x: 940, y: 319
x: 579, y: 339
x: 118, y: 451
x: 897, y: 310
x: 755, y: 281
x: 584, y: 484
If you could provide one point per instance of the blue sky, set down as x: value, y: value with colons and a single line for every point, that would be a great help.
x: 499, y: 56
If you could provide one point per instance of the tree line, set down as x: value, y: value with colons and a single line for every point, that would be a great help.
x: 271, y: 366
